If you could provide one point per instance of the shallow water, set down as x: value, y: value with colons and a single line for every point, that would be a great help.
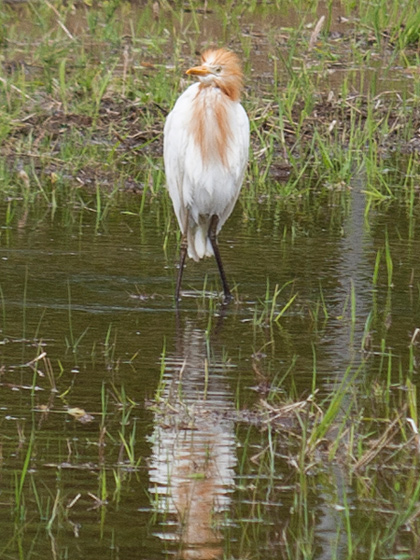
x: 99, y: 302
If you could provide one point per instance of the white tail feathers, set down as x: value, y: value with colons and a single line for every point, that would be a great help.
x: 199, y: 245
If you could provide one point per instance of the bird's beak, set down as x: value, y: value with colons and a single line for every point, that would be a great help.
x: 198, y: 71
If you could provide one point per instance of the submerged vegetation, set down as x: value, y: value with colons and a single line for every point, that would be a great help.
x: 286, y: 425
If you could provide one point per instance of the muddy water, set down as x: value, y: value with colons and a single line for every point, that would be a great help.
x: 98, y: 301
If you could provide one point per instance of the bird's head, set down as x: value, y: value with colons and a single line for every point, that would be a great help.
x: 220, y: 68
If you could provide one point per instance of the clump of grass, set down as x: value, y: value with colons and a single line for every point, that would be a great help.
x: 314, y: 437
x: 273, y: 308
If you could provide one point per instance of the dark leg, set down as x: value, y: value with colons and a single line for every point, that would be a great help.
x: 182, y: 256
x: 213, y: 240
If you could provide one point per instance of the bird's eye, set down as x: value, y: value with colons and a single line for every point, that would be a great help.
x: 218, y: 69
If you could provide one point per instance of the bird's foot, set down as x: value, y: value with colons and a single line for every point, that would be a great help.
x: 227, y: 298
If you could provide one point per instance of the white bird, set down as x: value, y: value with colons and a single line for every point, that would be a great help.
x: 206, y: 143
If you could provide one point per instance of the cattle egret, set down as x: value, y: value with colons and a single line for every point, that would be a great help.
x: 206, y: 143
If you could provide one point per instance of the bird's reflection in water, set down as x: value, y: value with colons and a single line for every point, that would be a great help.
x: 194, y: 453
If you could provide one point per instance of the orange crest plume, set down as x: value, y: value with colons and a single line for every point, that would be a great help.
x: 232, y: 82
